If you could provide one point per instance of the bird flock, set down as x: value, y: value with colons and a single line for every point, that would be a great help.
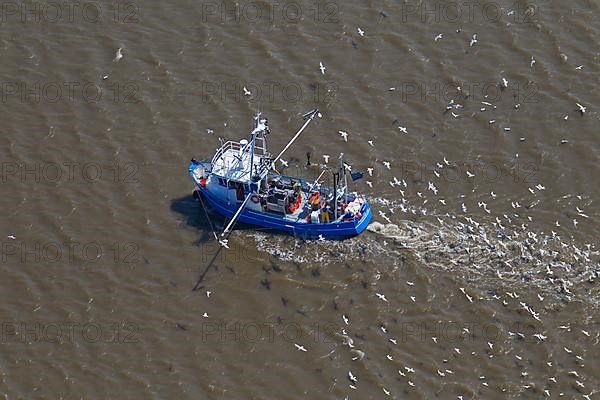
x: 488, y: 237
x: 504, y: 247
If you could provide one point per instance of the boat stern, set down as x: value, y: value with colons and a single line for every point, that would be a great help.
x: 361, y: 224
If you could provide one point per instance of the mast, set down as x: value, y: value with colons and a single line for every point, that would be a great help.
x: 252, y: 156
x: 345, y: 184
x: 335, y: 178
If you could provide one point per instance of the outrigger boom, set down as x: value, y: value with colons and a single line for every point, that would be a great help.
x: 309, y: 117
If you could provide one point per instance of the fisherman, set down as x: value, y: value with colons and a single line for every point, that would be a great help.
x: 298, y: 190
x: 325, y: 214
x: 240, y: 191
x: 314, y: 200
x: 270, y: 187
x: 314, y: 217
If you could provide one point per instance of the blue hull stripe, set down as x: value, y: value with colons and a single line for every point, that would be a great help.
x: 340, y: 230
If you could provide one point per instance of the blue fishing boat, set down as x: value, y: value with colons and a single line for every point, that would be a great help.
x: 242, y: 184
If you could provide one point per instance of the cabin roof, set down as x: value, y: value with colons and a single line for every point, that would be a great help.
x: 233, y: 165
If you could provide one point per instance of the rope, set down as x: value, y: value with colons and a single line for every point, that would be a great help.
x: 206, y: 214
x: 201, y: 278
x: 199, y: 281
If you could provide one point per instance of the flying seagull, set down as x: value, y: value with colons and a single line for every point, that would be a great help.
x: 322, y: 68
x: 300, y: 348
x: 118, y: 55
x: 473, y: 40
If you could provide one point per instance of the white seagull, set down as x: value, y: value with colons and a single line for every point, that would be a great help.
x: 118, y: 55
x: 473, y: 40
x: 360, y: 31
x: 247, y: 92
x: 352, y: 377
x: 344, y: 135
x: 382, y: 215
x: 326, y: 158
x: 381, y: 297
x: 322, y: 68
x: 300, y: 348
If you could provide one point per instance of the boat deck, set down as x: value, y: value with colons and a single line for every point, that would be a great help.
x: 295, y: 216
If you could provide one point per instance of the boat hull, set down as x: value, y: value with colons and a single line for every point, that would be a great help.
x: 334, y: 230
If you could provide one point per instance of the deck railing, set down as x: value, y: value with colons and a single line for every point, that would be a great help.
x: 231, y: 145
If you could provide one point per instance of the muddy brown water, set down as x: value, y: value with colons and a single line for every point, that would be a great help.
x: 482, y: 284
